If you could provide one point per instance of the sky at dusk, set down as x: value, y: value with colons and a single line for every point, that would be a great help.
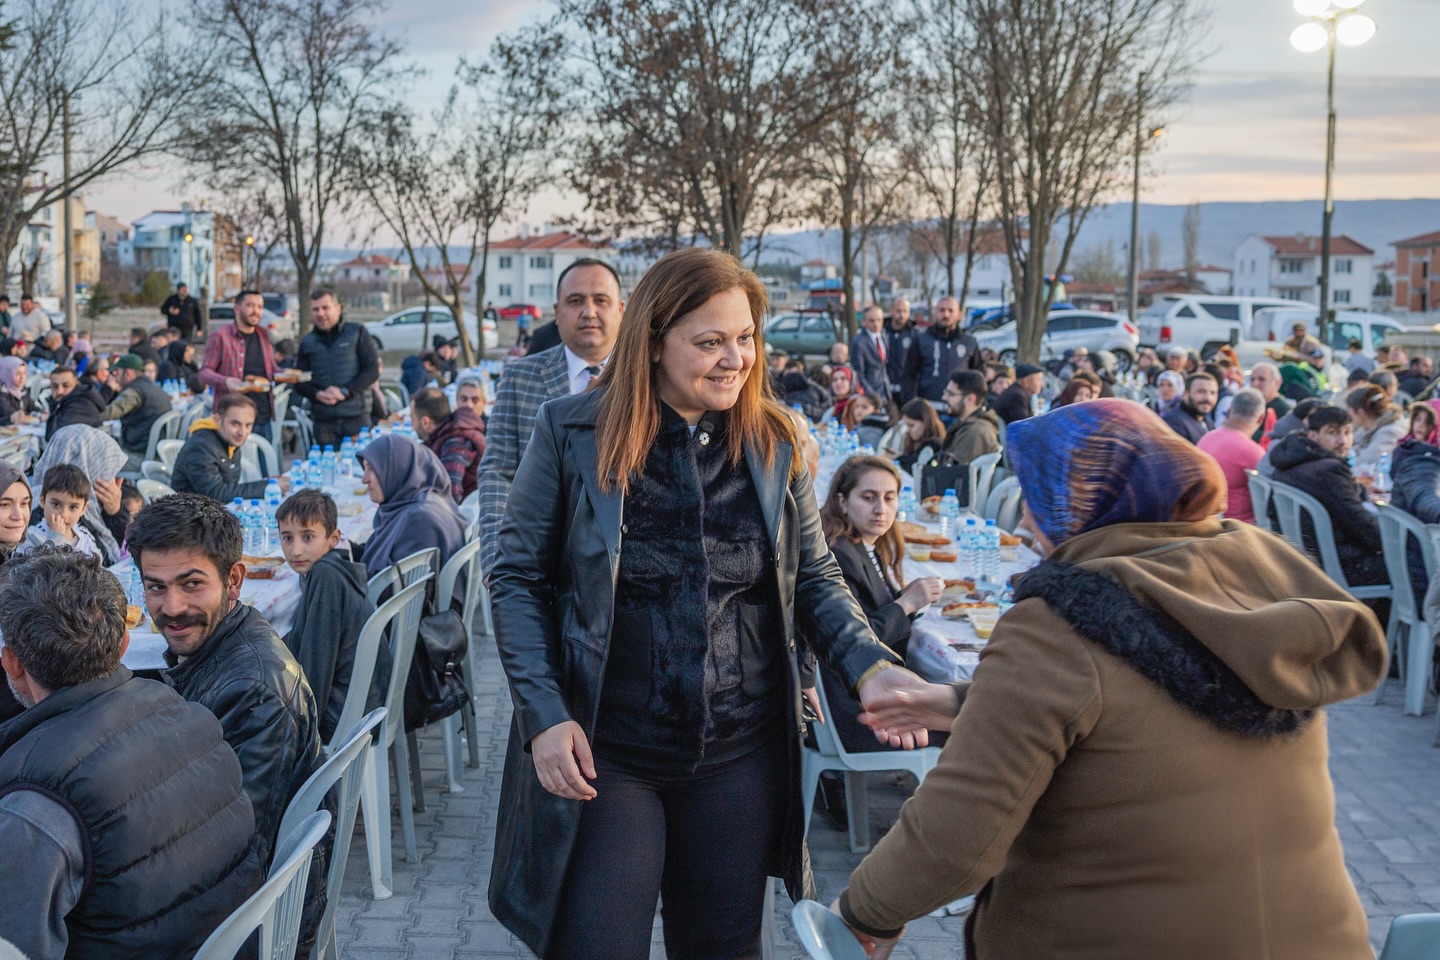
x: 1252, y: 128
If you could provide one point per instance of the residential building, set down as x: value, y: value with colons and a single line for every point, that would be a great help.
x: 178, y: 243
x: 35, y: 261
x: 1384, y: 298
x: 372, y: 270
x: 229, y: 258
x: 1417, y: 274
x: 525, y: 269
x: 815, y: 271
x: 461, y: 272
x: 1216, y: 280
x: 85, y: 248
x: 1289, y: 268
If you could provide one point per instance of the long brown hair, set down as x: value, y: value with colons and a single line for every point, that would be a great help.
x: 629, y: 419
x: 890, y: 547
x: 921, y: 410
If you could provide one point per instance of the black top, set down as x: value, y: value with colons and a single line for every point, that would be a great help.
x: 695, y: 670
x: 255, y: 367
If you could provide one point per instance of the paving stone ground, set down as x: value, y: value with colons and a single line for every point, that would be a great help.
x: 1387, y: 785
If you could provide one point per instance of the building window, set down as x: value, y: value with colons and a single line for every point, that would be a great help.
x: 1345, y: 266
x: 1291, y: 266
x: 504, y: 290
x: 539, y: 263
x: 1339, y: 296
x: 506, y: 263
x: 539, y: 290
x: 1290, y: 294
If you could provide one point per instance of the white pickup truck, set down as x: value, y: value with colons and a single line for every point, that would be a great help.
x: 1204, y: 323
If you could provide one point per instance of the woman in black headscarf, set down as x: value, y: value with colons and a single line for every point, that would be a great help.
x: 178, y: 363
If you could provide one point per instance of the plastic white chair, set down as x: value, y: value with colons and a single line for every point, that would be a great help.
x: 1413, y: 936
x: 470, y: 506
x: 281, y: 397
x: 152, y: 490
x: 1260, y: 493
x: 832, y: 755
x: 199, y: 407
x: 466, y: 559
x: 258, y: 459
x: 1012, y: 509
x: 824, y: 935
x: 167, y: 452
x: 1293, y: 506
x: 165, y: 427
x: 275, y: 909
x: 345, y: 768
x: 154, y: 470
x: 390, y: 747
x: 1412, y: 655
x: 997, y: 496
x: 982, y: 476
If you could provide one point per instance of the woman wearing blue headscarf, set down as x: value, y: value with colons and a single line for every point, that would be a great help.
x: 416, y: 510
x: 1139, y: 767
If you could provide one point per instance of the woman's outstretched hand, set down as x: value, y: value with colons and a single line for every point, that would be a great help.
x: 882, y: 688
x: 932, y: 706
x: 561, y: 754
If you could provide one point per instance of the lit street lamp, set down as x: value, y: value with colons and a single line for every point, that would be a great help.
x: 1330, y: 21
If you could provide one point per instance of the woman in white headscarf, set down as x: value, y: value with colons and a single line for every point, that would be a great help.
x: 96, y: 453
x: 15, y: 402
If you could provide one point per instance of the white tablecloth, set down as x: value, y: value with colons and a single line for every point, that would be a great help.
x: 277, y: 598
x: 933, y: 649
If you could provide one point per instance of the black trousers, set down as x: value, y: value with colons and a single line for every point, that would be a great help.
x: 333, y: 432
x: 701, y: 842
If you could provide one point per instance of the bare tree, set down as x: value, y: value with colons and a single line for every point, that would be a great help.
x: 1098, y: 264
x: 855, y: 171
x: 260, y: 224
x: 1190, y: 240
x: 693, y: 117
x: 296, y: 82
x: 946, y: 149
x: 124, y: 80
x: 1059, y: 98
x: 477, y: 161
x: 1154, y: 251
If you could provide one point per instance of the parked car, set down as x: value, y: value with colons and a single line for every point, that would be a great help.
x: 405, y: 330
x: 274, y: 324
x: 1065, y: 330
x: 1204, y: 323
x: 1371, y: 329
x: 515, y: 310
x: 801, y: 333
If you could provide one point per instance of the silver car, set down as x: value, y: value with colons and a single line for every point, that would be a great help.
x: 1066, y: 330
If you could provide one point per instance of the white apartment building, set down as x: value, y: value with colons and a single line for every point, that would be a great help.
x: 525, y: 269
x: 1289, y: 267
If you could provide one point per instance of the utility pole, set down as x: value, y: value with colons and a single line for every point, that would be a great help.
x: 1326, y: 313
x: 71, y: 322
x: 1133, y: 286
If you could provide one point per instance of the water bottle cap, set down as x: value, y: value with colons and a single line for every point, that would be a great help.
x: 239, y: 500
x: 329, y: 448
x: 906, y: 488
x: 989, y: 523
x: 950, y: 491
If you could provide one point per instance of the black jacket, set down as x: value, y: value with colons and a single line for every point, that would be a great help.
x: 247, y: 678
x: 167, y: 830
x: 552, y: 590
x: 187, y: 321
x: 11, y: 405
x: 899, y: 346
x: 333, y: 610
x: 206, y: 465
x: 1305, y: 465
x: 343, y: 356
x: 81, y: 405
x: 546, y: 335
x: 1415, y: 469
x: 799, y: 390
x: 1187, y: 421
x: 939, y: 353
x: 1014, y: 404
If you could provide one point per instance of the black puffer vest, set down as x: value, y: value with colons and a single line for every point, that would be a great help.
x: 168, y: 829
x: 335, y: 362
x: 135, y: 425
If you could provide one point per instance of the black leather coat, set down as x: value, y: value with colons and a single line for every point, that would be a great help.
x: 552, y: 591
x: 252, y: 684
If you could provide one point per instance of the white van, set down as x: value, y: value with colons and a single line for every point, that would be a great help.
x: 1203, y: 323
x: 1370, y: 329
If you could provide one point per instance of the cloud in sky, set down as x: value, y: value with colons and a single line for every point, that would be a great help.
x: 1252, y: 128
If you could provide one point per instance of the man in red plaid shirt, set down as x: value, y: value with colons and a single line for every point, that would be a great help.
x: 238, y: 352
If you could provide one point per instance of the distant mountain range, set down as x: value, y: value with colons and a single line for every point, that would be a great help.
x: 1375, y: 223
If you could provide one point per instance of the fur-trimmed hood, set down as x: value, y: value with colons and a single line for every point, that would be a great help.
x: 1231, y: 621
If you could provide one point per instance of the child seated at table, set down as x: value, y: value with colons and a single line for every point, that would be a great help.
x: 333, y: 606
x: 63, y: 497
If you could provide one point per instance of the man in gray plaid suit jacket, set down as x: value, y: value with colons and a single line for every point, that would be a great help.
x: 588, y: 318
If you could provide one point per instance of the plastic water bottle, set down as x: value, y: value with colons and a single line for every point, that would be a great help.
x: 327, y: 466
x: 1382, y: 473
x: 949, y: 512
x: 965, y: 548
x: 1350, y: 461
x: 297, y: 475
x: 237, y: 509
x: 346, y: 466
x: 990, y: 552
x: 273, y: 498
x: 255, y: 537
x: 906, y: 509
x: 313, y: 476
x: 134, y: 586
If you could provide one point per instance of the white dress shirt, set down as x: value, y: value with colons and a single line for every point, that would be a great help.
x: 577, y: 369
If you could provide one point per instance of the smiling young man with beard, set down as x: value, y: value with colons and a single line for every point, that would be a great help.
x: 222, y: 653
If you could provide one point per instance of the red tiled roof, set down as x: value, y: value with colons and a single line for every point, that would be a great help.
x: 1303, y: 246
x: 1424, y: 240
x: 563, y: 240
x: 372, y: 260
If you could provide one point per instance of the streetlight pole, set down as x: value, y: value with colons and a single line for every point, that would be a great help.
x: 1330, y: 21
x: 68, y: 216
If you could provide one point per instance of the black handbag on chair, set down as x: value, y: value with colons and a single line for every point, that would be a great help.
x: 435, y: 688
x: 936, y: 479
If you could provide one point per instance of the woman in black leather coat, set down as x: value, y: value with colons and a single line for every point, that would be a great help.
x: 661, y: 539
